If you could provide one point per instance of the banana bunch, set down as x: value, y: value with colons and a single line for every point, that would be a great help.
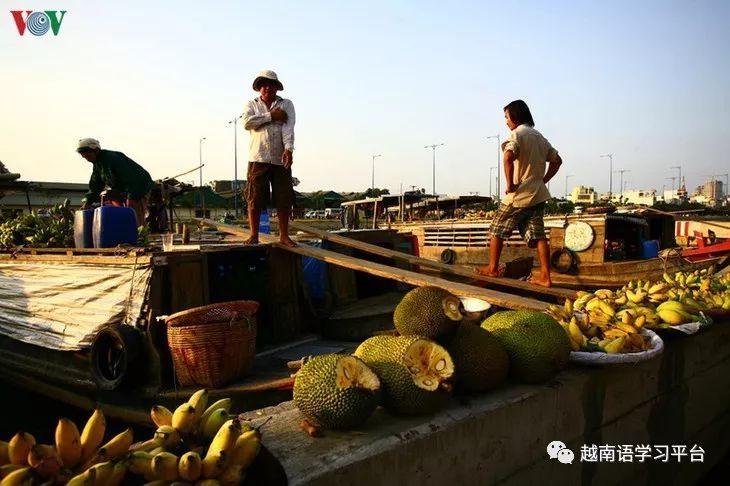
x: 600, y: 328
x: 76, y: 458
x: 177, y: 452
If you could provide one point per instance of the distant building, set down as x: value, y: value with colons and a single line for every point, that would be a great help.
x: 14, y: 200
x: 583, y: 195
x: 640, y: 196
x: 670, y: 197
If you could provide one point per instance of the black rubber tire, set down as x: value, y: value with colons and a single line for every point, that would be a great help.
x: 116, y: 355
x: 448, y: 256
x: 562, y: 260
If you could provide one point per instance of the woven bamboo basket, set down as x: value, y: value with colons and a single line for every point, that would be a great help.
x: 213, y: 344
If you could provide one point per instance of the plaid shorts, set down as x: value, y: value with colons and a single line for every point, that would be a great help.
x: 527, y: 220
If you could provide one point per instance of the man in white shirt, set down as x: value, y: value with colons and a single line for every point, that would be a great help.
x: 269, y: 120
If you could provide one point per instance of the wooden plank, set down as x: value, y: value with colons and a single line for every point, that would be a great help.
x: 494, y: 297
x: 448, y: 269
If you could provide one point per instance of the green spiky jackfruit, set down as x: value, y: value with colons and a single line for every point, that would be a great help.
x: 537, y: 346
x: 414, y: 372
x: 431, y: 312
x: 480, y: 359
x: 336, y: 391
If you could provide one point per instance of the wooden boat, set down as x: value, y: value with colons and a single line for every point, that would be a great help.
x: 131, y: 369
x: 611, y: 249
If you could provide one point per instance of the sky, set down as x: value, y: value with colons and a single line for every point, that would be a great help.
x: 648, y: 82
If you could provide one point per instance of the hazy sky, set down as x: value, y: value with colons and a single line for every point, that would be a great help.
x: 648, y: 81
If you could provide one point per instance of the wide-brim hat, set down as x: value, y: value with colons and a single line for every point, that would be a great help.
x: 267, y: 75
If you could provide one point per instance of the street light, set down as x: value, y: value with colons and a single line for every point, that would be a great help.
x: 673, y: 179
x: 235, y: 164
x: 202, y: 200
x: 621, y: 171
x: 490, y: 179
x: 566, y: 184
x: 499, y: 151
x: 433, y: 147
x: 610, y: 174
x: 372, y: 185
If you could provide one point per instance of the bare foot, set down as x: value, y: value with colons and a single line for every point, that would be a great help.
x: 486, y: 272
x: 286, y: 241
x: 251, y: 240
x: 542, y: 282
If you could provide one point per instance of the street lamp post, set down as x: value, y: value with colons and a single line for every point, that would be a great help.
x: 433, y: 147
x: 621, y: 171
x: 235, y: 164
x: 372, y: 185
x: 673, y: 179
x: 566, y: 184
x: 610, y: 176
x: 499, y: 151
x: 490, y: 179
x: 200, y: 153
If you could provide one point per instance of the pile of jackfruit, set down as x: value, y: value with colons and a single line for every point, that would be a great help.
x: 436, y: 352
x: 196, y: 444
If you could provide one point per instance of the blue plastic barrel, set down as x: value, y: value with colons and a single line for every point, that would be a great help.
x: 114, y: 226
x: 264, y: 225
x: 83, y: 228
x: 315, y: 274
x: 650, y: 249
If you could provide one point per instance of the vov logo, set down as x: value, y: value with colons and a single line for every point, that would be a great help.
x: 38, y: 23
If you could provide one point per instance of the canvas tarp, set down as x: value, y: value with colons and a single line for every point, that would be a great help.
x: 62, y: 305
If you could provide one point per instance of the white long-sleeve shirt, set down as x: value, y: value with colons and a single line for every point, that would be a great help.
x: 268, y: 139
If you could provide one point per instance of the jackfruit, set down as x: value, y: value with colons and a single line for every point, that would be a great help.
x: 413, y: 370
x: 480, y: 359
x: 336, y: 391
x: 430, y: 312
x: 537, y: 345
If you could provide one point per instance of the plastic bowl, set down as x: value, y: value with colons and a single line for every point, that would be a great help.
x: 475, y: 309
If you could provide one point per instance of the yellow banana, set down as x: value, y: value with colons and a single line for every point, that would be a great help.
x: 593, y: 304
x: 167, y: 437
x: 165, y: 467
x: 226, y: 437
x: 214, y: 422
x: 627, y: 328
x: 118, y: 473
x: 190, y: 467
x: 246, y: 449
x: 668, y: 279
x: 183, y: 419
x: 615, y: 346
x: 102, y: 473
x: 199, y: 401
x: 208, y: 482
x: 658, y: 288
x: 44, y: 459
x: 575, y: 332
x: 118, y: 446
x: 626, y: 317
x: 621, y: 300
x: 68, y: 442
x: 222, y: 403
x: 86, y: 478
x: 213, y: 465
x: 568, y: 307
x: 140, y: 463
x: 614, y: 333
x: 639, y: 322
x: 19, y: 477
x: 671, y: 317
x: 606, y: 308
x: 671, y: 304
x: 637, y: 297
x: 93, y: 434
x: 19, y: 447
x: 604, y: 294
x: 161, y: 415
x: 8, y: 468
x: 145, y: 446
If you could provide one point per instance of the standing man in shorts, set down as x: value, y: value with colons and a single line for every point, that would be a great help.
x: 525, y: 154
x: 270, y: 122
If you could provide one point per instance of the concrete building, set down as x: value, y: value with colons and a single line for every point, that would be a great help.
x: 583, y: 195
x: 639, y: 196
